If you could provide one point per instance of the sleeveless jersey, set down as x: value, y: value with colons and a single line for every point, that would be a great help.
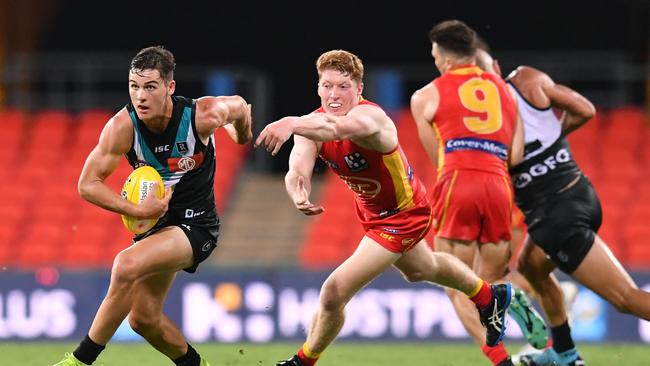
x: 548, y: 164
x: 180, y: 157
x: 384, y: 183
x: 475, y: 121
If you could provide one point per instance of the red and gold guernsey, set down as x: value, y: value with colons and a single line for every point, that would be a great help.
x: 475, y: 121
x: 383, y: 183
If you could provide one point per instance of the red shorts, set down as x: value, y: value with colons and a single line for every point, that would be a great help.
x: 401, y: 231
x: 473, y: 205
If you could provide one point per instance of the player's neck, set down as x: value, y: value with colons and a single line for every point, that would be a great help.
x: 461, y: 64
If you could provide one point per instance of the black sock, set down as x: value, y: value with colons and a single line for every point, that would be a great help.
x: 191, y: 358
x: 562, y: 340
x: 88, y: 351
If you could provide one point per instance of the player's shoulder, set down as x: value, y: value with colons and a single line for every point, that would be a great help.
x: 117, y: 134
x: 121, y: 120
x: 368, y: 108
x: 526, y: 73
x: 427, y: 91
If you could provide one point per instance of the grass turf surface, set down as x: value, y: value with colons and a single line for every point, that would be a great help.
x: 339, y: 354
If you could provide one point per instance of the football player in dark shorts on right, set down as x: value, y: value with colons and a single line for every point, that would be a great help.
x: 562, y: 211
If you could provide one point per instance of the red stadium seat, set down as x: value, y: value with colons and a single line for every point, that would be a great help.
x: 417, y: 157
x: 230, y: 160
x: 40, y: 246
x: 12, y: 134
x: 638, y: 246
x: 89, y: 126
x: 8, y: 235
x: 86, y: 246
x: 333, y: 236
x: 626, y: 123
x: 50, y: 127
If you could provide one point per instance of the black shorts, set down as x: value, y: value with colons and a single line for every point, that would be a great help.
x: 565, y: 226
x: 202, y: 234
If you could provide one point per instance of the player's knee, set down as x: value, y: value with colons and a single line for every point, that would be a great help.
x: 524, y: 266
x: 143, y: 324
x: 124, y: 269
x: 414, y: 276
x: 332, y: 297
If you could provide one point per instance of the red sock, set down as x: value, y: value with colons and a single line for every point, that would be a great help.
x: 306, y: 360
x: 496, y: 354
x: 483, y: 296
x: 549, y: 343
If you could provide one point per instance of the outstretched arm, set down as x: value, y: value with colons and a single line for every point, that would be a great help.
x: 230, y: 112
x: 114, y: 141
x: 424, y: 104
x: 362, y: 121
x: 298, y: 178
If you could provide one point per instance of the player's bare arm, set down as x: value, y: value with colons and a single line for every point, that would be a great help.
x: 115, y: 141
x: 424, y: 103
x: 229, y: 112
x: 298, y: 178
x: 577, y: 109
x: 516, y: 151
x: 364, y: 124
x: 516, y: 154
x: 542, y: 92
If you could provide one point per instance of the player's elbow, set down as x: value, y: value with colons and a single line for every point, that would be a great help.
x: 83, y: 189
x: 590, y: 111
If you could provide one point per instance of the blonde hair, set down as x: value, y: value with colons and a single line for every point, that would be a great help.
x: 343, y: 61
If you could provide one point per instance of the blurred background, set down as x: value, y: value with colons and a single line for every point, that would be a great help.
x: 63, y: 73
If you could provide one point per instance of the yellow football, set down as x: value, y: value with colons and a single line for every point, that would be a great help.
x: 137, y: 186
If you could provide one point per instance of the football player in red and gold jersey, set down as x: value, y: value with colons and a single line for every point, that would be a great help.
x: 358, y: 140
x: 468, y: 124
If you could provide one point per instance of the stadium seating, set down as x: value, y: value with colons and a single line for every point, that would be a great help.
x: 230, y: 160
x: 14, y: 123
x: 611, y: 149
x: 332, y: 236
x: 45, y: 222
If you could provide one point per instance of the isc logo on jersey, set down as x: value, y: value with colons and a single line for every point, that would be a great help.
x: 136, y: 188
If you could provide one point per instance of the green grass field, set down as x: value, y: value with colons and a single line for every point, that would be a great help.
x: 340, y: 354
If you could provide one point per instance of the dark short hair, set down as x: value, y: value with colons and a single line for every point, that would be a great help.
x: 454, y: 36
x: 155, y: 58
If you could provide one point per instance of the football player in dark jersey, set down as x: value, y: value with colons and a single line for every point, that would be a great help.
x: 175, y: 136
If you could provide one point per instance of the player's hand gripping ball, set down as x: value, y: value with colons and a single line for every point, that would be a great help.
x: 136, y: 188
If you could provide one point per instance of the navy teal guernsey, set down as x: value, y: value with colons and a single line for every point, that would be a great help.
x: 183, y: 161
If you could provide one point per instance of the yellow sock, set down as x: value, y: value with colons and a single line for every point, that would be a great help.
x: 476, y: 290
x: 308, y: 353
